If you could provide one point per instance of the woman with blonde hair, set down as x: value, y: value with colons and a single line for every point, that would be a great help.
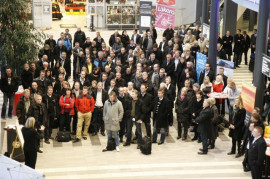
x: 31, y: 138
x: 236, y: 126
x: 206, y: 86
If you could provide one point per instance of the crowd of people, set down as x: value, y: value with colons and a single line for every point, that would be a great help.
x: 132, y: 80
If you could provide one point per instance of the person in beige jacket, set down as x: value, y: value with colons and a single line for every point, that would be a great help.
x: 189, y: 38
x: 112, y: 115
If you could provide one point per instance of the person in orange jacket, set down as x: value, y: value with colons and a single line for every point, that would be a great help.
x: 66, y: 104
x: 85, y: 105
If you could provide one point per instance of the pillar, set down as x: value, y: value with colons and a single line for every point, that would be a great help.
x: 252, y: 20
x: 212, y: 54
x: 229, y: 17
x: 205, y: 11
x: 261, y: 47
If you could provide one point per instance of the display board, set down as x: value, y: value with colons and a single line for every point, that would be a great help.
x: 165, y: 16
x: 200, y: 64
x: 227, y: 65
x: 248, y: 94
x: 145, y: 14
x: 266, y: 65
x: 42, y: 13
x: 206, y: 30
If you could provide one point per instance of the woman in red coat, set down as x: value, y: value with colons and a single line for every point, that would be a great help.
x: 218, y: 87
x: 66, y: 103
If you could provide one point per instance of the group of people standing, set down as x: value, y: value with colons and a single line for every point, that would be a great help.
x: 132, y: 81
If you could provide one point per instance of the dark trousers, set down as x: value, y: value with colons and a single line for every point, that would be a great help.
x: 129, y: 131
x: 185, y: 126
x: 237, y: 59
x: 212, y: 143
x: 30, y: 158
x: 65, y: 120
x: 256, y: 171
x: 229, y: 56
x: 148, y: 130
x: 123, y: 127
x: 245, y: 161
x: 49, y: 127
x: 204, y: 142
x: 98, y: 122
x: 162, y: 132
x: 7, y: 98
x: 74, y: 123
x: 234, y: 145
x: 245, y: 54
x: 195, y: 130
x: 221, y: 107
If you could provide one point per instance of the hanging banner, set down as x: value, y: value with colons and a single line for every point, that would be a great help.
x: 200, y: 64
x: 165, y: 16
x: 248, y: 94
x: 266, y: 65
x: 166, y: 2
x: 228, y: 67
x: 145, y: 15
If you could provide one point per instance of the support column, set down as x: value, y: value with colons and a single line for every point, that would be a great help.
x: 252, y: 20
x: 261, y: 47
x: 212, y: 54
x: 229, y: 17
x: 205, y: 12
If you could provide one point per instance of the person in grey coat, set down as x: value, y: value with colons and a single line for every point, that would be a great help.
x: 112, y: 115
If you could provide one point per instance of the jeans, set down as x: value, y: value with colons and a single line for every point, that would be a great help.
x: 204, y: 142
x: 116, y: 136
x: 138, y: 131
x: 10, y: 98
x: 266, y: 110
x: 162, y: 132
x: 230, y: 112
x: 221, y: 107
x: 237, y: 59
x: 98, y: 122
x: 65, y: 120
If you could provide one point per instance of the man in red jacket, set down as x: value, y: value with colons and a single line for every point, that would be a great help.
x: 85, y: 105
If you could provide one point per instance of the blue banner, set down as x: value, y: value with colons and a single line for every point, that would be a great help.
x: 200, y: 64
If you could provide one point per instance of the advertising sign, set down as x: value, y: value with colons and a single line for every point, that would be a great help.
x: 166, y: 2
x: 266, y: 65
x: 200, y: 64
x: 248, y: 94
x: 145, y: 15
x: 227, y: 65
x: 165, y: 16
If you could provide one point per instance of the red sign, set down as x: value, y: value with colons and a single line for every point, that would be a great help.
x: 166, y: 2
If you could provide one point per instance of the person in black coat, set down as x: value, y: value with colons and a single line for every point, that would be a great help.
x: 168, y: 65
x: 183, y: 113
x: 30, y: 137
x: 246, y: 44
x: 136, y: 37
x: 171, y: 94
x: 147, y: 99
x: 207, y: 70
x: 125, y: 39
x: 221, y: 53
x: 98, y: 122
x: 246, y: 145
x: 253, y: 41
x: 214, y: 123
x: 51, y: 102
x: 161, y: 110
x: 80, y: 37
x: 168, y: 33
x: 256, y: 153
x: 136, y: 116
x: 22, y: 106
x: 51, y: 42
x: 125, y: 100
x: 238, y: 48
x: 9, y: 86
x: 113, y: 37
x: 39, y: 112
x: 236, y: 126
x: 58, y: 51
x: 66, y: 63
x: 204, y: 125
x: 26, y: 77
x: 227, y: 44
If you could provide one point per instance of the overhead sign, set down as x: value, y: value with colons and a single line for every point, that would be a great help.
x: 250, y: 4
x: 266, y: 65
x: 165, y: 16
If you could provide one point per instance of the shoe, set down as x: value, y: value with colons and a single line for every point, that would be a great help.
x: 199, y: 141
x: 121, y: 140
x: 201, y: 150
x: 194, y: 138
x: 231, y: 153
x: 51, y: 138
x: 178, y: 137
x: 135, y: 138
x: 102, y: 133
x: 84, y: 138
x: 167, y: 133
x: 211, y: 147
x: 246, y: 169
x: 184, y: 138
x: 160, y: 143
x: 237, y: 155
x: 76, y: 140
x: 40, y: 151
x: 154, y: 142
x: 126, y: 144
x: 202, y: 153
x: 104, y: 150
x: 138, y: 146
x: 94, y: 134
x: 47, y: 141
x: 117, y: 149
x: 3, y: 117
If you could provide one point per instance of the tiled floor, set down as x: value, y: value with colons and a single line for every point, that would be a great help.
x: 174, y: 159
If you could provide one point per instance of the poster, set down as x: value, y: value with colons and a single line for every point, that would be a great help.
x: 145, y: 15
x: 248, y: 94
x: 166, y: 2
x: 165, y: 16
x: 206, y: 30
x: 200, y: 64
x: 266, y: 65
x: 227, y: 65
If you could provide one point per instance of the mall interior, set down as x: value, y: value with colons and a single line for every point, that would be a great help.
x: 175, y: 158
